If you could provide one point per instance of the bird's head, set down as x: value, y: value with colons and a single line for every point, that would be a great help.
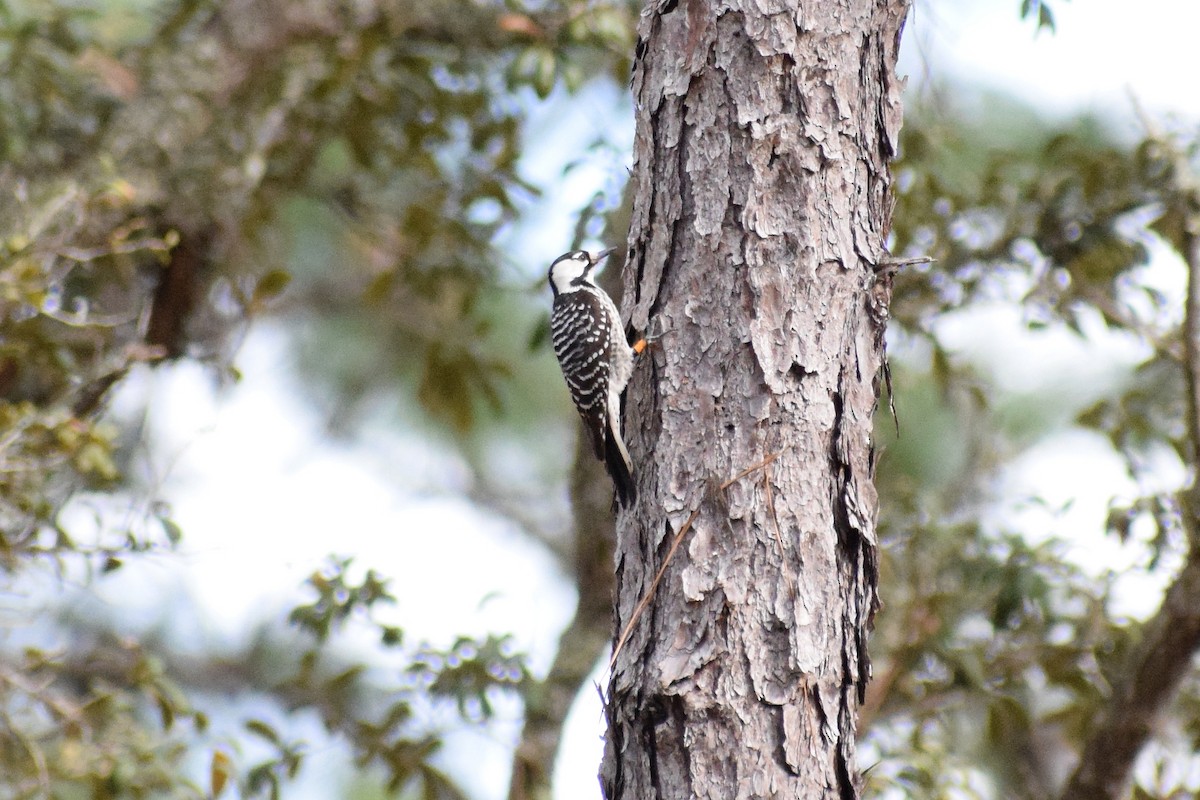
x: 573, y: 270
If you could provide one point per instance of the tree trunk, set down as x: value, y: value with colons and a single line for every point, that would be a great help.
x: 761, y: 209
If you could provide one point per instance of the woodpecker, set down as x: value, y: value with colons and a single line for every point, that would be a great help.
x: 596, y: 359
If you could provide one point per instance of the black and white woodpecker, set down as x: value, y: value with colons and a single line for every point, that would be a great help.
x: 596, y: 359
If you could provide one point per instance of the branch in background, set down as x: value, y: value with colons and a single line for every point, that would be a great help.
x: 176, y: 293
x: 1159, y: 665
x: 523, y: 511
x: 1172, y: 637
x: 1191, y: 349
x: 590, y: 632
x: 583, y: 641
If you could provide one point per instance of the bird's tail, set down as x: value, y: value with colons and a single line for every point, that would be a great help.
x: 617, y: 462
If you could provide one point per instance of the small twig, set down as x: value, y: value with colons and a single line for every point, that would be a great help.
x: 82, y: 255
x: 770, y: 492
x: 887, y: 384
x: 645, y: 601
x: 1148, y: 124
x: 771, y: 506
x: 889, y: 266
x: 750, y: 469
x: 687, y: 526
x: 86, y: 320
x: 648, y: 338
x: 39, y: 692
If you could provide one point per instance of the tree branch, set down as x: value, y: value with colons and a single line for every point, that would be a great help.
x: 590, y: 631
x: 1159, y: 665
x: 583, y: 641
x: 1172, y: 637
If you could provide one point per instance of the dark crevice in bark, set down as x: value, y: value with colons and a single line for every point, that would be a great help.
x: 886, y: 149
x: 652, y: 214
x: 859, y: 559
x: 612, y: 774
x: 675, y: 244
x: 867, y: 73
x: 847, y: 788
x: 659, y: 297
x: 653, y: 716
x: 781, y: 756
x: 741, y: 243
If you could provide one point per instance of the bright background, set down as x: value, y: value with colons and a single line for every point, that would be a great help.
x: 264, y: 496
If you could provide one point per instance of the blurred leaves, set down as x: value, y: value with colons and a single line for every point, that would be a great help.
x: 336, y: 600
x: 997, y: 656
x: 391, y: 729
x: 170, y: 175
x: 1048, y: 219
x: 220, y: 770
x: 162, y: 165
x: 106, y: 726
x: 1040, y: 11
x: 152, y: 162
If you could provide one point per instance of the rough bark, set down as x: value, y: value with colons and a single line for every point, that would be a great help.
x: 762, y: 205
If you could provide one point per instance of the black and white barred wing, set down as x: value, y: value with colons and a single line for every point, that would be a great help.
x: 580, y: 323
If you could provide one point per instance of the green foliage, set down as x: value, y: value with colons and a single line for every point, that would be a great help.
x: 336, y: 600
x: 1037, y: 219
x: 51, y: 110
x: 152, y: 163
x: 174, y: 170
x: 113, y: 727
x: 110, y: 717
x: 163, y: 163
x: 997, y: 655
x: 68, y: 300
x: 387, y: 726
x: 1040, y: 10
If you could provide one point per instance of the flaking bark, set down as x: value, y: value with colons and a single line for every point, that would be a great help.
x: 761, y: 209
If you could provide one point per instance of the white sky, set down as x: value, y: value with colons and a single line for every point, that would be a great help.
x: 263, y: 497
x: 1102, y: 51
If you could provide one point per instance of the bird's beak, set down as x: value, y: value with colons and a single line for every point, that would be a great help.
x: 603, y: 254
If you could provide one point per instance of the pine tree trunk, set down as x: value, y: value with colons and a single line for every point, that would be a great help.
x: 762, y: 206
